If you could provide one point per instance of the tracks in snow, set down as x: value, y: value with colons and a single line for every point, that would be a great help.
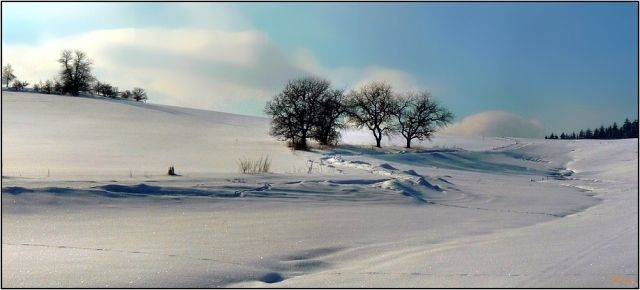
x: 414, y: 185
x: 128, y: 252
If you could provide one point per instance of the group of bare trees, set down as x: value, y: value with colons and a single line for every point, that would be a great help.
x: 109, y: 91
x: 309, y: 108
x: 74, y: 78
x: 8, y: 77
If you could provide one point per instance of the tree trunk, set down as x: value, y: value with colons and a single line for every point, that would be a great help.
x: 324, y: 139
x: 303, y: 142
x: 375, y: 136
x: 408, y: 142
x: 378, y: 136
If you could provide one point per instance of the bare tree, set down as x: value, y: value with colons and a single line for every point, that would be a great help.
x: 110, y: 91
x: 371, y: 106
x: 139, y: 94
x: 295, y: 109
x: 105, y: 90
x: 47, y: 88
x: 76, y: 74
x: 418, y: 116
x: 329, y: 117
x: 97, y: 88
x: 18, y: 85
x: 37, y: 87
x: 126, y: 94
x: 7, y: 75
x: 58, y: 87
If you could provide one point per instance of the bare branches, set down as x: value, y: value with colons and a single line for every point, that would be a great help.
x: 296, y: 111
x: 7, y: 74
x: 19, y: 85
x: 371, y: 106
x: 76, y: 73
x: 139, y: 94
x: 329, y: 118
x: 418, y: 116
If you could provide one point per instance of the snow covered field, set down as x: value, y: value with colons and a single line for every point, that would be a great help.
x: 86, y: 202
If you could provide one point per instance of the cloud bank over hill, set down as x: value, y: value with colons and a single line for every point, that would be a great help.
x: 217, y: 69
x: 496, y: 124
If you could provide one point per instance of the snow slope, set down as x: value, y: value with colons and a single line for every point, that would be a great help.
x: 597, y: 247
x: 87, y: 136
x: 460, y: 211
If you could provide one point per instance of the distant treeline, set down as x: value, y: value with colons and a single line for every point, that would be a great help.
x: 627, y: 130
x: 74, y: 78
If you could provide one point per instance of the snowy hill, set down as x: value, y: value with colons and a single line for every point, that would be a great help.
x: 86, y: 202
x: 87, y: 136
x: 80, y: 136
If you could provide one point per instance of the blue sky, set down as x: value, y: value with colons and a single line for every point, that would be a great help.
x: 559, y: 66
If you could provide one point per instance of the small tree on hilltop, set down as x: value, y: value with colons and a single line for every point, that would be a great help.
x: 294, y: 111
x: 58, y: 87
x: 76, y: 74
x: 97, y: 88
x: 111, y: 91
x: 19, y: 85
x: 47, y: 88
x: 105, y: 90
x: 139, y: 94
x: 371, y: 106
x: 418, y: 116
x: 7, y: 75
x: 37, y: 87
x: 126, y: 94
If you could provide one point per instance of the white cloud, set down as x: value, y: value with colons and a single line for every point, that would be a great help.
x: 202, y: 68
x: 496, y: 124
x: 351, y: 77
x: 399, y: 80
x: 238, y: 48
